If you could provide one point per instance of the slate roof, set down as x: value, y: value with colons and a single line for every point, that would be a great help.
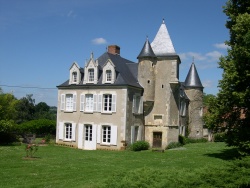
x: 146, y: 50
x: 126, y: 72
x: 193, y: 79
x: 162, y: 44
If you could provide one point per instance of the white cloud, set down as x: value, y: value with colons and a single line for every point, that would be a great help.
x: 213, y: 56
x: 71, y: 14
x: 207, y: 83
x: 221, y: 46
x: 99, y: 41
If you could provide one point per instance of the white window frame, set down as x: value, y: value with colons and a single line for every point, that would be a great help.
x: 108, y: 76
x: 107, y: 103
x: 68, y: 102
x: 91, y: 75
x: 89, y: 103
x: 68, y: 131
x: 74, y: 77
x: 106, y: 134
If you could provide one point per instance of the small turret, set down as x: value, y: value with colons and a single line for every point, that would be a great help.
x: 146, y: 51
x: 193, y: 79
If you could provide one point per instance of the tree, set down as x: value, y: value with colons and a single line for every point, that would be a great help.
x: 26, y: 109
x: 229, y: 111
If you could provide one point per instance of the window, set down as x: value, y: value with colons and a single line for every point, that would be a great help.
x: 91, y: 75
x: 89, y: 103
x: 68, y: 131
x: 108, y: 75
x: 183, y: 108
x: 107, y: 102
x: 69, y: 102
x: 137, y: 104
x: 88, y: 132
x: 74, y: 77
x: 106, y: 134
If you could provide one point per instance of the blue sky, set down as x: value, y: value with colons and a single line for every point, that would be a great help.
x: 39, y: 40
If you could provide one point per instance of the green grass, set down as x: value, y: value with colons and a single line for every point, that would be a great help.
x: 195, y: 165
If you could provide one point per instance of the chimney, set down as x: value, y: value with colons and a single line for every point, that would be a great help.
x: 114, y: 49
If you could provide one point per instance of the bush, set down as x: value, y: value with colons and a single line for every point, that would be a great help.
x: 7, y: 129
x: 172, y: 145
x: 219, y: 137
x: 193, y: 140
x: 40, y: 126
x: 182, y: 139
x: 139, y: 145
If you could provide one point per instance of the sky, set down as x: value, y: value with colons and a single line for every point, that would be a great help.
x: 39, y: 40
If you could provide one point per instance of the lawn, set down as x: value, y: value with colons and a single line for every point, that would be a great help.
x: 195, y: 165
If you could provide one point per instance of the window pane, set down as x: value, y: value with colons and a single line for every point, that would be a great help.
x: 69, y: 102
x: 108, y: 75
x: 107, y: 102
x: 89, y: 102
x: 91, y: 75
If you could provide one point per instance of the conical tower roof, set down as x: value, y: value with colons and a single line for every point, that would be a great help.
x: 146, y: 50
x: 162, y: 44
x: 193, y: 79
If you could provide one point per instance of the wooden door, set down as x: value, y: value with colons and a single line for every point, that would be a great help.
x: 157, y: 139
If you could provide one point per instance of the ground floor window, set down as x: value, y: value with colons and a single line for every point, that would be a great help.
x: 68, y: 131
x: 88, y: 132
x: 106, y: 134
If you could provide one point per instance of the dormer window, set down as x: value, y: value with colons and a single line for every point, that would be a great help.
x: 91, y: 75
x: 74, y: 74
x: 108, y: 75
x: 74, y: 77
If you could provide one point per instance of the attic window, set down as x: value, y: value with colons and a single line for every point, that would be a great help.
x: 108, y: 75
x: 91, y: 75
x: 74, y: 77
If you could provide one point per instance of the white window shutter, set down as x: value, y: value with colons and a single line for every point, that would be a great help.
x: 74, y: 102
x: 80, y: 136
x: 141, y: 106
x: 94, y: 102
x: 94, y: 130
x: 113, y: 135
x: 62, y: 101
x: 73, y: 131
x: 113, y: 107
x: 61, y: 130
x: 82, y: 99
x: 99, y: 105
x: 98, y: 134
x: 134, y: 104
x: 184, y: 108
x: 140, y: 133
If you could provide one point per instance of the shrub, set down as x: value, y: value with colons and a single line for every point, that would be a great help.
x: 172, y: 145
x: 193, y: 140
x: 182, y: 139
x: 7, y: 128
x: 219, y: 137
x: 139, y: 145
x: 30, y: 149
x: 40, y: 126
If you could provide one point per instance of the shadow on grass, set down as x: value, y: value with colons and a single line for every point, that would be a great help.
x: 226, y: 154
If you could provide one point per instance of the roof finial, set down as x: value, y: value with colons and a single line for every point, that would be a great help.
x: 163, y: 21
x: 92, y: 55
x: 193, y: 59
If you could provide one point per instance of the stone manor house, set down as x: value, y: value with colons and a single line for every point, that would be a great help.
x: 112, y: 102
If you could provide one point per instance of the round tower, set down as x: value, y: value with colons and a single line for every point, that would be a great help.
x: 146, y: 75
x: 194, y: 91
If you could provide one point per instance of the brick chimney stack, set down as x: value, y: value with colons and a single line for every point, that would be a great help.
x: 114, y: 49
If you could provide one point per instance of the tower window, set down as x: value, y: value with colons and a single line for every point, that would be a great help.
x: 148, y: 81
x: 162, y: 86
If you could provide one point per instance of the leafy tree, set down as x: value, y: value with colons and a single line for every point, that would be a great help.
x: 7, y: 106
x: 26, y: 109
x: 207, y: 98
x: 229, y: 111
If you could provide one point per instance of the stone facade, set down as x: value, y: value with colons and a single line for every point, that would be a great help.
x: 112, y: 102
